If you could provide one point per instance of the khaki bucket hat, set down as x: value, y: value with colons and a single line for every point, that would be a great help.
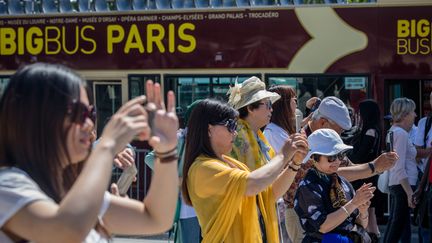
x: 248, y: 92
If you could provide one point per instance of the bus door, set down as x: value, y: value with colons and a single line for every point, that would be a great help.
x: 416, y: 89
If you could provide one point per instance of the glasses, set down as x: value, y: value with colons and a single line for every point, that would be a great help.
x: 268, y: 104
x: 340, y: 156
x: 230, y: 124
x: 335, y: 126
x: 80, y: 112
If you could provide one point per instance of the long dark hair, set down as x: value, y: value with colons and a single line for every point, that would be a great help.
x: 208, y: 111
x: 370, y: 115
x: 283, y: 115
x: 371, y: 119
x: 33, y: 110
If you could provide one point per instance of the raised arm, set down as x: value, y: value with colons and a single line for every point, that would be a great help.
x: 156, y: 213
x: 263, y: 177
x: 384, y: 162
x: 76, y: 214
x: 286, y: 178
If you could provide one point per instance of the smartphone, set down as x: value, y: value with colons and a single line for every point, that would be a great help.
x: 316, y: 105
x: 389, y: 141
x: 299, y: 118
x: 126, y: 179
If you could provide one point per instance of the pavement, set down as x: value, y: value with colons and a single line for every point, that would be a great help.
x: 164, y: 238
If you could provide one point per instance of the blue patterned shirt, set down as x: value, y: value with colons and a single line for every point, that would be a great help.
x: 312, y: 204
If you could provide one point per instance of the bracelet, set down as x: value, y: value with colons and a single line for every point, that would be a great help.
x: 169, y: 152
x: 346, y: 211
x: 161, y: 156
x: 169, y: 156
x: 363, y: 218
x: 372, y: 167
x: 293, y: 169
x: 169, y: 159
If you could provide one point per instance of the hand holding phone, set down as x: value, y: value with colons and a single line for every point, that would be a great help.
x: 126, y: 179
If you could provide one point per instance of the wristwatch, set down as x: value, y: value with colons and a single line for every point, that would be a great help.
x: 372, y: 167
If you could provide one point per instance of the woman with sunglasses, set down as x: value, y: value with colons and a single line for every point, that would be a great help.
x: 47, y: 192
x: 326, y: 203
x: 254, y: 104
x: 233, y: 203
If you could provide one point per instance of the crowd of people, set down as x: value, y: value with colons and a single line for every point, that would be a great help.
x: 235, y: 162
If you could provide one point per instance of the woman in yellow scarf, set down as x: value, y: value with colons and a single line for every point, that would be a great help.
x: 232, y: 203
x: 254, y: 104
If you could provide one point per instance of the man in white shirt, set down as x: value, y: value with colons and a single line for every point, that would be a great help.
x: 422, y: 142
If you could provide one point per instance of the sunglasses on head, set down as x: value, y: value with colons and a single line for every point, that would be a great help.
x: 80, y: 112
x: 230, y: 124
x: 268, y: 104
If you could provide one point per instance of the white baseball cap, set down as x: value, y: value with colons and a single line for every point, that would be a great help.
x: 325, y: 142
x: 335, y: 110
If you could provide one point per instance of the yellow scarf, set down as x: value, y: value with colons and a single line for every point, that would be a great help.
x: 246, y: 148
x: 225, y: 214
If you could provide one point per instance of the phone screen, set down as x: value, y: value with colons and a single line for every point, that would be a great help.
x: 299, y: 119
x: 297, y: 123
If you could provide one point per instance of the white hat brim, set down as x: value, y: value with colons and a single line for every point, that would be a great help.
x: 335, y: 150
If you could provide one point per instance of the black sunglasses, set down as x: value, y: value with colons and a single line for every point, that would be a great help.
x: 80, y: 112
x: 230, y: 124
x: 340, y: 156
x: 331, y: 158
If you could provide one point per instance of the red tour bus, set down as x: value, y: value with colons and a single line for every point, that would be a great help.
x: 353, y: 51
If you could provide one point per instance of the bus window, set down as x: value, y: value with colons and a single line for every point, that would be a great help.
x: 137, y: 83
x: 107, y: 99
x: 290, y: 81
x: 193, y: 87
x: 350, y: 89
x: 190, y: 89
x: 221, y: 85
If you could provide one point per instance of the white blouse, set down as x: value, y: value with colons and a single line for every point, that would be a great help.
x: 405, y: 166
x: 276, y: 136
